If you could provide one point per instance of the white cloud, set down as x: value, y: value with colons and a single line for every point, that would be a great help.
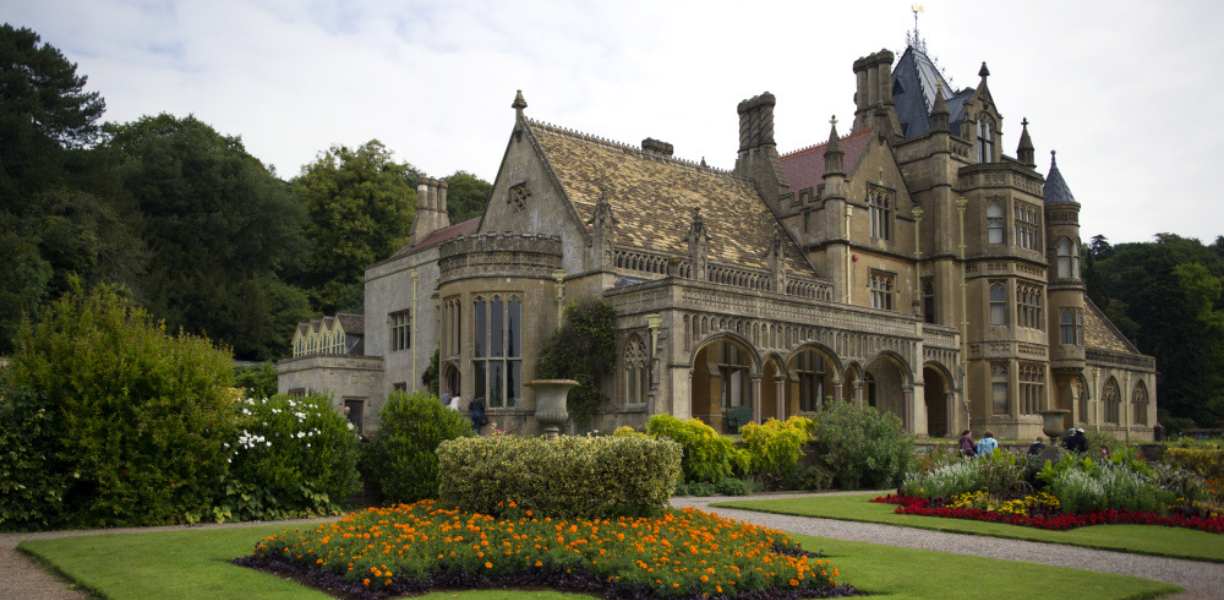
x: 1123, y: 91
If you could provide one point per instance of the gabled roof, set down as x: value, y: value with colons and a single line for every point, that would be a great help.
x: 353, y: 324
x: 1056, y: 189
x: 805, y: 168
x: 653, y: 195
x: 465, y: 228
x: 914, y: 84
x: 1100, y: 333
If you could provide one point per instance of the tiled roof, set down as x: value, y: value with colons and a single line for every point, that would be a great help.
x: 441, y: 235
x: 1100, y: 333
x: 805, y: 168
x: 652, y: 198
x: 1056, y: 189
x: 914, y: 83
x: 353, y: 324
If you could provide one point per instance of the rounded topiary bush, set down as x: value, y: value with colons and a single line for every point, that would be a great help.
x: 708, y: 456
x: 862, y: 447
x: 401, y: 460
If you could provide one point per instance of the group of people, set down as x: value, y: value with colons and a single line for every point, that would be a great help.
x: 475, y: 407
x: 984, y: 447
x: 1075, y: 441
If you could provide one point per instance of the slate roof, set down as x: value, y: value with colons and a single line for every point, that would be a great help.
x: 354, y: 324
x: 805, y: 168
x: 914, y: 86
x: 1056, y: 189
x: 652, y: 198
x: 465, y: 228
x: 1100, y: 333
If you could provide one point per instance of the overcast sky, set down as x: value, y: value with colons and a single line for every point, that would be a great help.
x: 1126, y: 91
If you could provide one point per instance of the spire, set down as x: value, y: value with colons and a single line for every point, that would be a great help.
x: 939, y: 112
x: 519, y: 102
x: 518, y: 105
x: 1056, y: 189
x: 1024, y: 153
x: 983, y: 72
x: 833, y: 154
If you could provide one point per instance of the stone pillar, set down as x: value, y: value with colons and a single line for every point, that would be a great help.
x: 756, y: 398
x: 780, y: 397
x: 858, y: 391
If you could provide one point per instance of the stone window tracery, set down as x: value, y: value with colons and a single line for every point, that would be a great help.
x: 1028, y: 226
x: 985, y: 140
x: 1140, y: 399
x: 994, y: 223
x: 998, y: 303
x: 401, y: 330
x: 497, y: 360
x: 880, y: 206
x: 998, y: 388
x: 1029, y: 306
x: 1071, y: 326
x: 1111, y: 397
x: 928, y: 299
x: 518, y: 196
x: 636, y: 371
x: 882, y: 289
x: 1032, y: 388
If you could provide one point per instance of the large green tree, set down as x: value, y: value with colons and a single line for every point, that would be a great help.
x: 220, y: 229
x: 466, y: 196
x: 360, y: 203
x: 1169, y: 296
x: 60, y: 210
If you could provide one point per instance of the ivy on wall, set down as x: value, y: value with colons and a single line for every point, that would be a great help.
x: 583, y: 349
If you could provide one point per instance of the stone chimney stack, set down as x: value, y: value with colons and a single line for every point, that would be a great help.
x: 657, y: 147
x: 758, y: 159
x: 431, y: 209
x: 874, y: 106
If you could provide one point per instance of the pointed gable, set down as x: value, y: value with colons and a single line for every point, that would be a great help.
x: 652, y: 197
x: 805, y: 168
x: 1100, y: 333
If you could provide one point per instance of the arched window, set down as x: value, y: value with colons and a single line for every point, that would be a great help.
x: 998, y: 388
x: 1064, y: 259
x: 636, y: 372
x: 1140, y: 399
x: 985, y: 140
x: 994, y: 223
x: 1111, y: 397
x: 998, y: 304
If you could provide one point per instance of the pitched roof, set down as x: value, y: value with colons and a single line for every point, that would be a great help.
x: 1099, y: 332
x: 1056, y: 189
x: 441, y: 235
x: 914, y: 84
x: 354, y: 324
x: 805, y: 168
x: 652, y: 198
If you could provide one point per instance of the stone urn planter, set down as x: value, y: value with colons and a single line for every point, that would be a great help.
x: 550, y: 397
x: 1052, y: 425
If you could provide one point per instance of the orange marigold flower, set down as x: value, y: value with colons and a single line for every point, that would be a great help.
x: 539, y: 564
x: 794, y: 582
x: 488, y: 565
x: 365, y: 582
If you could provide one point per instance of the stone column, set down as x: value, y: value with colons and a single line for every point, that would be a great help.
x: 756, y: 398
x: 780, y: 397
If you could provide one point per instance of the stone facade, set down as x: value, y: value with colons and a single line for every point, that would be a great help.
x: 910, y: 265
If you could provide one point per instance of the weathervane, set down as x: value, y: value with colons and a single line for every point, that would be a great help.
x: 912, y: 39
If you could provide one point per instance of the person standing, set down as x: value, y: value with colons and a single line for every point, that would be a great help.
x: 967, y: 447
x: 477, y: 409
x: 987, y: 445
x: 1080, y: 442
x: 1037, y: 446
x: 445, y: 398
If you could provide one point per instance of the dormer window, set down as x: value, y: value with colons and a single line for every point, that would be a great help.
x: 985, y: 140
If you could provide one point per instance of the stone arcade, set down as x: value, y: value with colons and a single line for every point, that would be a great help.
x: 909, y: 265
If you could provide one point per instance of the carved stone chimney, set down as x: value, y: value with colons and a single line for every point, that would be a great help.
x: 431, y: 209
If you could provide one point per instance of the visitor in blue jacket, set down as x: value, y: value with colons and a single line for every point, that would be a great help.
x: 986, y: 446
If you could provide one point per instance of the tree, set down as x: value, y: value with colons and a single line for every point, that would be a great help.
x: 219, y: 227
x: 583, y: 349
x: 360, y: 203
x: 466, y: 196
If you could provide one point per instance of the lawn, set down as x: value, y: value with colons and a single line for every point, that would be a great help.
x: 1142, y: 539
x: 194, y: 564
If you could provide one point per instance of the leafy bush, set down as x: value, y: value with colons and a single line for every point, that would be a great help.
x: 291, y: 457
x: 861, y: 446
x: 776, y: 447
x: 732, y: 486
x: 811, y: 478
x: 1000, y: 473
x: 32, y: 480
x: 401, y: 460
x: 583, y: 349
x: 1108, y: 486
x: 140, y: 416
x: 1208, y: 463
x: 708, y: 456
x: 257, y: 381
x: 562, y: 478
x: 1098, y: 440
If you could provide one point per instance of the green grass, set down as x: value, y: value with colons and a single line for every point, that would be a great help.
x: 1141, y: 539
x: 194, y: 564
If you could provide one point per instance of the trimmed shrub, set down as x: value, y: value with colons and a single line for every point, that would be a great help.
x: 776, y: 447
x: 140, y: 416
x: 564, y: 478
x: 861, y: 446
x: 811, y: 478
x: 32, y: 480
x: 708, y: 456
x: 1208, y: 463
x: 732, y: 486
x: 401, y: 460
x: 291, y: 457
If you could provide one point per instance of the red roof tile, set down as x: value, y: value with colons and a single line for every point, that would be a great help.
x: 465, y: 228
x: 805, y: 168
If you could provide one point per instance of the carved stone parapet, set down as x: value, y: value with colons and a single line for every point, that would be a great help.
x: 500, y: 255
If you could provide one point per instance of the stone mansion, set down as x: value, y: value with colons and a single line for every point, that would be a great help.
x: 909, y: 265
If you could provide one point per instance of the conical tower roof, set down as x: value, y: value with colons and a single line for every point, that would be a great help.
x: 1056, y: 189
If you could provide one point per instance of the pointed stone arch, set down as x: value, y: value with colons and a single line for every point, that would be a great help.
x: 937, y: 397
x: 725, y: 375
x: 888, y: 385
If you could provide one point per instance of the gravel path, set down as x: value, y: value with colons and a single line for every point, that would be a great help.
x: 22, y: 578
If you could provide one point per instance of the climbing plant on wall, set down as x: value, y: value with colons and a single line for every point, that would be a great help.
x: 583, y: 349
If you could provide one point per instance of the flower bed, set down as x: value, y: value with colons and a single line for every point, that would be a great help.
x: 412, y: 548
x: 950, y: 509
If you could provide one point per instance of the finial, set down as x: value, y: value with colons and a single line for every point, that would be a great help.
x: 833, y: 121
x: 703, y: 162
x: 912, y: 39
x: 519, y: 102
x: 1024, y: 122
x: 983, y: 72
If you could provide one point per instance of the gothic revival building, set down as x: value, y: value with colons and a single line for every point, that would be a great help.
x: 910, y: 265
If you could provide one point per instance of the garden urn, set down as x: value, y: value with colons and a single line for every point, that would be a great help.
x: 1053, y: 424
x: 550, y: 395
